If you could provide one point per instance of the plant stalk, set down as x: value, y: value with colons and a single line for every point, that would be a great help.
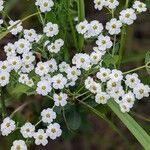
x: 3, y: 105
x: 136, y: 69
x: 81, y: 17
x: 123, y: 39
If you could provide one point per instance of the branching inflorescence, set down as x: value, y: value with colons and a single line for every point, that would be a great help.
x: 53, y: 79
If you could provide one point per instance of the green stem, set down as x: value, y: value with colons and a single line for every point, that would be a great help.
x: 123, y: 39
x: 73, y: 31
x: 3, y: 34
x: 114, y: 45
x: 122, y: 44
x: 127, y: 3
x: 136, y: 69
x: 30, y: 16
x: 41, y: 18
x: 38, y: 123
x: 81, y: 17
x: 4, y: 113
x: 82, y: 94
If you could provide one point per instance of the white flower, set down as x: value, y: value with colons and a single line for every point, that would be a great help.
x: 60, y: 99
x: 48, y: 115
x: 45, y: 5
x: 59, y: 81
x: 63, y: 67
x: 47, y: 77
x: 117, y: 94
x: 43, y: 87
x: 99, y: 4
x: 95, y: 87
x: 104, y: 42
x: 52, y: 65
x: 124, y: 108
x: 98, y: 50
x: 103, y: 74
x: 5, y: 66
x: 141, y: 91
x: 95, y: 28
x: 139, y: 6
x: 41, y: 137
x: 59, y: 42
x: 10, y: 49
x: 15, y: 62
x: 42, y: 68
x: 128, y: 99
x: 23, y: 78
x: 116, y: 75
x: 15, y: 27
x: 95, y: 57
x: 30, y: 83
x: 73, y: 73
x: 127, y: 16
x: 22, y: 46
x: 27, y: 130
x: 28, y: 58
x: 7, y: 126
x: 71, y: 82
x: 113, y: 85
x: 113, y: 26
x: 53, y: 48
x: 82, y: 27
x: 132, y: 80
x: 4, y: 78
x: 30, y: 35
x: 82, y: 61
x: 26, y: 68
x: 88, y: 82
x: 51, y: 29
x: 19, y: 145
x: 54, y: 131
x: 102, y: 98
x: 112, y: 4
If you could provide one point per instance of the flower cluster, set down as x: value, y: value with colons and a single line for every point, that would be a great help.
x: 28, y: 130
x: 112, y: 4
x: 110, y: 85
x: 126, y: 17
x: 50, y: 77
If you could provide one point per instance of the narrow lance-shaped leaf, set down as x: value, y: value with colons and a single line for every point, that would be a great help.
x: 132, y: 125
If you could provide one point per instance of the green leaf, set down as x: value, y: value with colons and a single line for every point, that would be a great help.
x: 17, y: 90
x: 132, y: 125
x: 110, y: 60
x: 147, y: 61
x: 73, y: 119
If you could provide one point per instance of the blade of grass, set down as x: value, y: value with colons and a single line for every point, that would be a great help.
x: 132, y: 125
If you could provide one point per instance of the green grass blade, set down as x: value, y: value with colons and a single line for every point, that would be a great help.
x: 132, y: 125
